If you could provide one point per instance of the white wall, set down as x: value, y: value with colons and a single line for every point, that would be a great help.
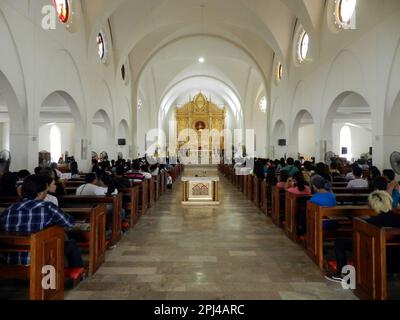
x: 307, y: 141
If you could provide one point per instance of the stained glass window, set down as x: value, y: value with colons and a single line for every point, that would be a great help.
x: 303, y: 46
x: 101, y: 50
x: 62, y: 9
x: 344, y: 11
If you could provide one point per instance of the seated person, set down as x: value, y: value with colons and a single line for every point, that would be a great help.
x: 308, y: 172
x: 90, y: 188
x: 22, y: 175
x: 74, y: 170
x: 32, y: 215
x: 155, y: 170
x: 299, y: 186
x: 9, y: 185
x: 358, y: 182
x: 290, y: 167
x: 393, y: 187
x: 120, y: 181
x: 381, y: 203
x: 145, y: 171
x: 51, y: 183
x: 380, y: 184
x: 323, y: 196
x: 60, y: 190
x: 283, y: 179
x: 135, y: 175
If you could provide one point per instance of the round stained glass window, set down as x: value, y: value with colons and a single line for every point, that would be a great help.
x: 345, y: 10
x: 62, y: 9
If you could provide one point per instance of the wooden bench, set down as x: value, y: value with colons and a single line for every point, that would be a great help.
x: 95, y: 239
x: 250, y: 186
x: 294, y: 206
x: 143, y: 196
x: 46, y: 248
x: 315, y: 233
x: 278, y: 206
x: 265, y: 198
x: 84, y: 201
x: 341, y: 190
x: 256, y: 191
x: 150, y: 192
x: 370, y: 258
x: 130, y: 202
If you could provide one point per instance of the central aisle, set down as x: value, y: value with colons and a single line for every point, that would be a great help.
x: 229, y: 252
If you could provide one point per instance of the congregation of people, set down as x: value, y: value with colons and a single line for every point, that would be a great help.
x: 36, y: 205
x: 317, y: 181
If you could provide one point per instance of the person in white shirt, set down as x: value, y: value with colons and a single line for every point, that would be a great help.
x: 357, y: 183
x: 52, y: 187
x: 144, y: 172
x: 91, y: 189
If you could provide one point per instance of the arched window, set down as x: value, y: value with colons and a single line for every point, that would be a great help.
x: 55, y: 143
x: 62, y: 8
x: 263, y: 104
x: 344, y: 11
x: 345, y: 143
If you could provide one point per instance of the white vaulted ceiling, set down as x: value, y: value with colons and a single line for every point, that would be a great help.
x: 238, y: 38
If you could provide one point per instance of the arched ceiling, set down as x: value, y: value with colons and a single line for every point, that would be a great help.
x: 253, y: 24
x: 162, y: 39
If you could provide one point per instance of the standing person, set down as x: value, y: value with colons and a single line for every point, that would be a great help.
x: 32, y: 215
x: 169, y: 181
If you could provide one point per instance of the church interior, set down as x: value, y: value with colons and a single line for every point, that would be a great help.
x: 199, y: 150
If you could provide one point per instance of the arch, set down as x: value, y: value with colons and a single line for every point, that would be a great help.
x: 349, y: 108
x: 61, y: 103
x: 392, y: 127
x: 303, y: 138
x: 102, y: 131
x: 123, y: 130
x: 279, y: 131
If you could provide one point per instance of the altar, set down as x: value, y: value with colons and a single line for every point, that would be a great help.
x: 200, y: 190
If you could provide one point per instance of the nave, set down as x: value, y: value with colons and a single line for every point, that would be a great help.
x: 230, y: 252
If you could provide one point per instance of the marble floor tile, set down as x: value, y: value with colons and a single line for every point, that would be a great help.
x: 229, y: 252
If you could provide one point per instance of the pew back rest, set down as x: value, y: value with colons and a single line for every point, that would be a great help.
x: 46, y: 249
x: 370, y: 244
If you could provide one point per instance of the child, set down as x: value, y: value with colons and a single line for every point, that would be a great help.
x: 169, y: 181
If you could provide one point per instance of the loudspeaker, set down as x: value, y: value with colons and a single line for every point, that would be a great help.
x: 282, y: 142
x: 345, y: 151
x: 122, y: 142
x: 370, y: 151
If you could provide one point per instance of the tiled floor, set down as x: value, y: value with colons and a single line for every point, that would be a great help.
x: 227, y: 252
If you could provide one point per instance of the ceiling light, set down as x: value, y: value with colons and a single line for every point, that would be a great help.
x: 202, y: 60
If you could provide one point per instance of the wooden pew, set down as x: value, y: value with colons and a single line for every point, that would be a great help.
x: 256, y: 191
x: 130, y: 202
x: 315, y: 232
x: 246, y: 185
x: 95, y: 239
x: 278, y: 206
x: 157, y: 191
x: 340, y: 190
x: 143, y: 196
x: 46, y: 249
x: 265, y: 196
x: 370, y: 253
x: 250, y: 190
x: 294, y: 205
x: 114, y: 220
x: 150, y: 192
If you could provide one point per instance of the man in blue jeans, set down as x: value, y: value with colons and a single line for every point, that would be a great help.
x: 32, y: 215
